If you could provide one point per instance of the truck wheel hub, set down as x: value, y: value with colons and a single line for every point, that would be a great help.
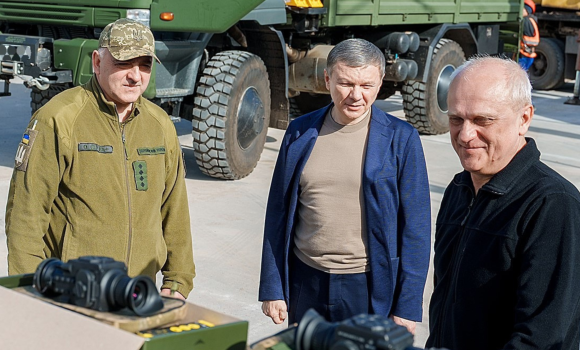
x: 251, y: 116
x: 443, y: 86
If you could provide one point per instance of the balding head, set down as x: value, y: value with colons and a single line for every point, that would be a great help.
x: 507, y: 80
x: 490, y: 111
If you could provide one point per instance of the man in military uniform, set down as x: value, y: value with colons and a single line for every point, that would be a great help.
x: 99, y: 171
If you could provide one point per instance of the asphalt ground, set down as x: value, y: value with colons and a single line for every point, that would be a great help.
x: 228, y: 216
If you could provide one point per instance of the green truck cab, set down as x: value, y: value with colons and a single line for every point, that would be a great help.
x: 235, y: 68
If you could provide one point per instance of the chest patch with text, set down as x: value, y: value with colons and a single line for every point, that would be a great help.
x: 93, y: 147
x: 151, y: 151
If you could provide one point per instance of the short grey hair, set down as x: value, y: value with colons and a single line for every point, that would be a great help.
x: 516, y: 86
x: 356, y: 53
x: 102, y: 51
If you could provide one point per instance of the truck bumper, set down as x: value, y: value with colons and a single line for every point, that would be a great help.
x: 30, y: 56
x: 24, y: 55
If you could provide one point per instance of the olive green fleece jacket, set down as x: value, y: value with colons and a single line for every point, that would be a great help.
x: 95, y: 186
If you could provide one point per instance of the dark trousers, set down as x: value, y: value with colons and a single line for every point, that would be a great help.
x: 334, y: 296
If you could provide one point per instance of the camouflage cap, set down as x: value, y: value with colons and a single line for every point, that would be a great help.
x: 127, y: 39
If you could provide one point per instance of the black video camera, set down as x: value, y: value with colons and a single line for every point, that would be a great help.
x: 361, y: 332
x: 97, y: 283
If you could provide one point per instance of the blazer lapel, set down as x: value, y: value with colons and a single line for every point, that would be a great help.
x: 378, y: 144
x: 299, y: 150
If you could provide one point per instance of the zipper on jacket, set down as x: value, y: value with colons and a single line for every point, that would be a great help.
x: 468, y: 212
x: 128, y: 186
x: 458, y: 251
x: 123, y: 138
x: 461, y: 249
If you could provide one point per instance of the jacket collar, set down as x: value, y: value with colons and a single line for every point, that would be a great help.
x: 380, y: 137
x: 507, y: 178
x: 106, y: 106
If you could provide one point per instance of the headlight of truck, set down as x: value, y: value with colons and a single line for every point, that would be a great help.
x: 143, y: 16
x: 43, y: 60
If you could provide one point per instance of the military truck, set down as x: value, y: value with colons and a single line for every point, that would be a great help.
x: 559, y: 25
x: 235, y: 68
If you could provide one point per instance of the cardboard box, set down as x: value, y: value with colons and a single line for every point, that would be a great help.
x: 30, y: 323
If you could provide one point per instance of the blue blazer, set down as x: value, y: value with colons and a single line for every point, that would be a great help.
x: 397, y: 210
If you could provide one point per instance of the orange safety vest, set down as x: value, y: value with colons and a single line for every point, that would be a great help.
x: 528, y: 43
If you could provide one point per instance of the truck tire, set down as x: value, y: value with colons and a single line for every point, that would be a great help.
x: 293, y: 110
x: 547, y: 71
x: 425, y: 103
x: 231, y: 115
x: 39, y: 98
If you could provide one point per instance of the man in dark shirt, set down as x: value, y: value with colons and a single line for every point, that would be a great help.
x: 507, y: 243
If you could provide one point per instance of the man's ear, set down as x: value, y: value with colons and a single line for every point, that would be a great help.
x: 96, y: 62
x: 526, y: 119
x: 327, y: 79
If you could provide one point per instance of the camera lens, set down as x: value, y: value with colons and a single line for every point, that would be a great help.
x: 45, y: 274
x: 138, y: 294
x: 314, y: 332
x: 359, y: 332
x: 98, y: 283
x: 140, y: 291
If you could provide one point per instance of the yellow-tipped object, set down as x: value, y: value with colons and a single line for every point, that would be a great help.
x: 305, y: 3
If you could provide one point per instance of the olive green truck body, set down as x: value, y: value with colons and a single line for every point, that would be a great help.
x: 217, y: 54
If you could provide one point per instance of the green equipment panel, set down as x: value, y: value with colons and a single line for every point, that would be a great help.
x: 206, y: 16
x: 395, y: 12
x: 64, y: 14
x: 75, y: 55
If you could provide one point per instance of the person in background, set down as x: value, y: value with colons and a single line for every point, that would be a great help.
x: 530, y: 35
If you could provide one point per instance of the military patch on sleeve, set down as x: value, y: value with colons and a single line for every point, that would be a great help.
x: 140, y: 170
x: 151, y: 151
x: 93, y: 147
x: 24, y: 149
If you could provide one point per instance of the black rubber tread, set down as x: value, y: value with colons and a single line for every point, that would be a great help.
x: 550, y: 52
x: 420, y: 98
x: 307, y: 102
x: 294, y: 111
x: 225, y: 78
x: 39, y: 98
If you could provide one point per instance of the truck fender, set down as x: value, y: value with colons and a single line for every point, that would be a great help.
x: 460, y: 33
x: 269, y: 44
x: 425, y: 97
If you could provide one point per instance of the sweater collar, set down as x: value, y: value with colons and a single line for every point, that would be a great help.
x: 107, y: 106
x: 507, y: 178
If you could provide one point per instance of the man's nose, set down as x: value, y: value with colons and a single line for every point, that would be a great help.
x: 467, y: 132
x: 356, y: 93
x: 134, y: 74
